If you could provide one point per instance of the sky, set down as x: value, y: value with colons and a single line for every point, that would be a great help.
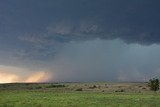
x: 79, y: 40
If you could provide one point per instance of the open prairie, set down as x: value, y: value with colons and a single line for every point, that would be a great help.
x: 79, y: 53
x: 78, y: 95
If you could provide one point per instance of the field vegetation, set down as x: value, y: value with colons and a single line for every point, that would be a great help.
x: 78, y: 95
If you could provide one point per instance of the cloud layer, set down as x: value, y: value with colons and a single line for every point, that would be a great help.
x: 101, y: 60
x: 73, y: 39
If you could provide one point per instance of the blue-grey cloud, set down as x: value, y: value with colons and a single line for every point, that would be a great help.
x: 131, y: 21
x: 101, y: 60
x: 34, y: 33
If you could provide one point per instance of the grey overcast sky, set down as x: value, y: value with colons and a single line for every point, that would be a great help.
x: 79, y: 40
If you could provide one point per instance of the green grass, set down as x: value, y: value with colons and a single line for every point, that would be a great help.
x: 77, y: 99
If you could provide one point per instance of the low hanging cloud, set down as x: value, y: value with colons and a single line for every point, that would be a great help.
x: 98, y: 60
x: 101, y: 60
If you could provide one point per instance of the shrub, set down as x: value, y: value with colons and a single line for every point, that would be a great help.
x: 55, y: 86
x: 38, y: 87
x: 94, y: 86
x: 143, y: 88
x: 79, y: 89
x: 154, y: 84
x: 122, y: 90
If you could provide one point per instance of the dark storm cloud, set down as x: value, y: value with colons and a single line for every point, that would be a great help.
x: 43, y: 34
x: 132, y: 21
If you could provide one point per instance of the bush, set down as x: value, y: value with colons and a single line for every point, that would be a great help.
x: 154, y: 84
x: 38, y: 87
x: 55, y: 86
x: 79, y: 89
x: 94, y: 86
x: 122, y: 90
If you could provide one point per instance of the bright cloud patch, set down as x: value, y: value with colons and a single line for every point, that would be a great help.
x: 38, y: 77
x: 10, y: 74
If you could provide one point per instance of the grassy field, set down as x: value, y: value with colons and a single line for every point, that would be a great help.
x: 78, y: 95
